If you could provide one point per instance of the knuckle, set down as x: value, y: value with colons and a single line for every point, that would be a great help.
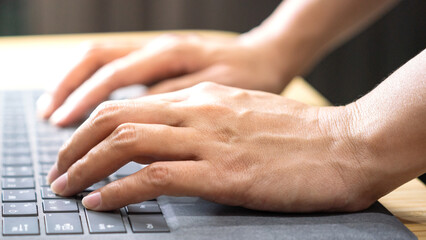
x: 117, y: 188
x: 170, y: 43
x: 91, y: 48
x: 215, y: 111
x: 169, y: 38
x: 124, y: 135
x: 206, y: 86
x: 159, y: 174
x: 75, y: 172
x: 239, y: 94
x: 104, y: 113
x: 60, y: 163
x: 114, y: 194
x: 111, y: 74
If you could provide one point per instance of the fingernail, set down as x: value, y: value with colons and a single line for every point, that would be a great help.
x: 44, y: 105
x: 53, y: 174
x: 58, y: 116
x: 58, y: 186
x: 92, y: 201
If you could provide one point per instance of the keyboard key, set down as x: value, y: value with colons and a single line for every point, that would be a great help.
x: 49, y: 152
x: 97, y: 185
x: 143, y: 207
x: 129, y: 169
x: 43, y: 181
x: 17, y: 183
x: 105, y: 222
x: 54, y: 149
x: 21, y: 171
x: 16, y: 160
x: 20, y: 226
x: 81, y: 195
x: 46, y: 159
x: 16, y: 144
x: 148, y: 223
x: 60, y: 205
x: 18, y: 136
x: 20, y: 209
x: 63, y: 223
x: 23, y: 195
x: 44, y: 169
x: 46, y: 193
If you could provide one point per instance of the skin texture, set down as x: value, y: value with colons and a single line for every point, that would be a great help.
x: 236, y: 146
x: 287, y: 44
x: 224, y: 144
x: 232, y: 145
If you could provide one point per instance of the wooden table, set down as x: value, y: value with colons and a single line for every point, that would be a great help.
x: 36, y: 61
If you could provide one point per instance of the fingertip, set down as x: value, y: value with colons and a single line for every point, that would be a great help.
x: 44, y: 105
x: 59, y: 117
x: 53, y: 174
x: 60, y: 184
x: 92, y: 201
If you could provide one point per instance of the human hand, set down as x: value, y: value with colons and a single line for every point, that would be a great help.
x: 180, y: 61
x: 227, y: 145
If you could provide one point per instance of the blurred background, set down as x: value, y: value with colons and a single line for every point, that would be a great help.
x: 343, y: 76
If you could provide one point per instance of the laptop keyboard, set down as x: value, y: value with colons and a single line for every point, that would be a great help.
x: 28, y: 148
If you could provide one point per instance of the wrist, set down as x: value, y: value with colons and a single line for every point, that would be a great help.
x: 284, y: 54
x: 387, y: 156
x: 295, y: 52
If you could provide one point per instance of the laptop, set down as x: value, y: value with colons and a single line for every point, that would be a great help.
x: 29, y: 146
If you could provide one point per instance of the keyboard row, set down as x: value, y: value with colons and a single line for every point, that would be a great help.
x: 14, y: 209
x: 97, y: 222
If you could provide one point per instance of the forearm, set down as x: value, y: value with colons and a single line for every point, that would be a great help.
x: 300, y: 33
x: 391, y: 121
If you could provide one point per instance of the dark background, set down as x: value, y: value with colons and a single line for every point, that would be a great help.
x: 343, y: 76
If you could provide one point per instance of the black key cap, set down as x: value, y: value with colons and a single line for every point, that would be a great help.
x: 60, y: 205
x: 23, y: 195
x: 148, y: 223
x: 21, y: 171
x: 46, y: 193
x: 63, y: 223
x: 143, y: 207
x: 20, y: 209
x: 20, y: 226
x: 105, y: 222
x: 17, y: 183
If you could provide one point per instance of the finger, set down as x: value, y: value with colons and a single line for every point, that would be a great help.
x: 107, y: 117
x: 127, y: 141
x: 141, y: 67
x: 186, y: 81
x: 179, y: 178
x: 95, y: 57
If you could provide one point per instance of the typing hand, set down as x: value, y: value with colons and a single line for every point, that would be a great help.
x: 228, y: 145
x: 179, y: 61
